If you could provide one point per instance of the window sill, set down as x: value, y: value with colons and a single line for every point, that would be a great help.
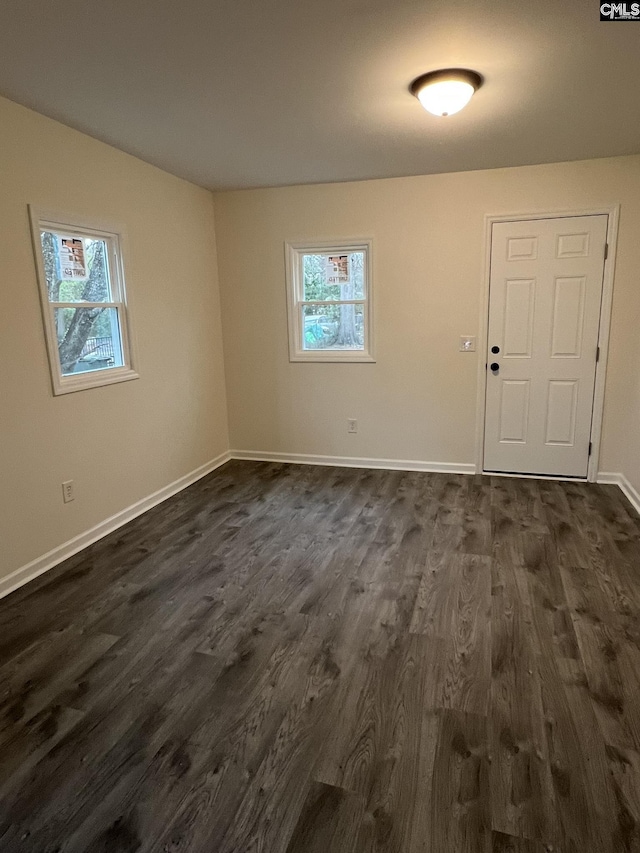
x: 85, y: 380
x: 335, y: 357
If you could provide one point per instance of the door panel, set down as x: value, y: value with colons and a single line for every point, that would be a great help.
x: 568, y: 317
x: 522, y: 248
x: 544, y: 315
x: 572, y: 245
x: 518, y: 318
x: 514, y: 411
x: 562, y: 402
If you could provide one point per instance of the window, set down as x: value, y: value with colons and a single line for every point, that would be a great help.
x: 329, y: 301
x: 83, y: 303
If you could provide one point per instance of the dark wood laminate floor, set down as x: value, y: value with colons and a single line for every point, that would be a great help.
x: 312, y: 660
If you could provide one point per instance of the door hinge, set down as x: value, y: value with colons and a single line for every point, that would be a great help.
x: 597, y: 355
x: 606, y: 251
x: 590, y: 447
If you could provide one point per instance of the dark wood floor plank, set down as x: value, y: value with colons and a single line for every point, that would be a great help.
x: 40, y: 681
x: 196, y: 780
x: 452, y: 607
x: 467, y: 668
x: 612, y: 669
x: 502, y: 843
x: 32, y: 742
x: 460, y: 803
x: 116, y: 738
x: 395, y: 816
x: 448, y: 530
x: 585, y: 807
x: 436, y: 601
x: 521, y: 500
x: 130, y: 811
x: 329, y: 822
x: 284, y: 658
x: 522, y: 795
x: 75, y: 776
x: 538, y: 557
x: 356, y: 740
x: 268, y: 812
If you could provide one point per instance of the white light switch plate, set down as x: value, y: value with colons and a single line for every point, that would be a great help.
x: 467, y: 343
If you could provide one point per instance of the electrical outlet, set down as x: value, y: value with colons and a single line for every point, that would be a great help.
x: 352, y: 425
x: 467, y: 343
x: 67, y: 491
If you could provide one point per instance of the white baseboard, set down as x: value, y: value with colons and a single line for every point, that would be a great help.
x: 355, y: 462
x: 42, y: 564
x: 607, y: 478
x: 631, y: 493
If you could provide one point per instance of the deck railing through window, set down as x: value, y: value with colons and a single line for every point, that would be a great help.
x: 98, y: 347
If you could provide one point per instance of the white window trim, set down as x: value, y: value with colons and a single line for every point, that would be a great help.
x: 113, y: 235
x: 293, y: 255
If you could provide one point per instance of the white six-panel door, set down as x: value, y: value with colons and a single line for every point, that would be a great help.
x: 544, y: 317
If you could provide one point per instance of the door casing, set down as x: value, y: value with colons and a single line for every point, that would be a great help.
x: 613, y: 212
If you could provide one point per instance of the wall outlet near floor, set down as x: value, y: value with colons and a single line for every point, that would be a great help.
x: 352, y: 425
x: 67, y: 491
x: 467, y: 343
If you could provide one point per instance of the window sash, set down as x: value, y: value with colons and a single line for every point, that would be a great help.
x: 67, y: 382
x: 112, y: 243
x: 121, y: 342
x: 299, y: 288
x: 81, y: 304
x: 295, y: 253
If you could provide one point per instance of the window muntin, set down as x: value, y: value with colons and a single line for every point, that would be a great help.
x: 330, y: 302
x: 83, y: 304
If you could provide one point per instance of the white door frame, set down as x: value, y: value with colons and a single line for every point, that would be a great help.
x: 613, y: 212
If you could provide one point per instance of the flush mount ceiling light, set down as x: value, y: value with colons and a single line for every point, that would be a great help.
x: 447, y: 91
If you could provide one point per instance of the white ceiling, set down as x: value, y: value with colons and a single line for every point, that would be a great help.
x: 232, y: 93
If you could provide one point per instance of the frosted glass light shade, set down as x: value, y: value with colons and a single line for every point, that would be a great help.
x: 445, y: 98
x: 443, y: 93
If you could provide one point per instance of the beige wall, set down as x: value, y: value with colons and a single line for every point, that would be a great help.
x: 418, y: 402
x: 122, y: 442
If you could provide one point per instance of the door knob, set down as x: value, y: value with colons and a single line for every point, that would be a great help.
x: 494, y: 366
x: 495, y: 350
